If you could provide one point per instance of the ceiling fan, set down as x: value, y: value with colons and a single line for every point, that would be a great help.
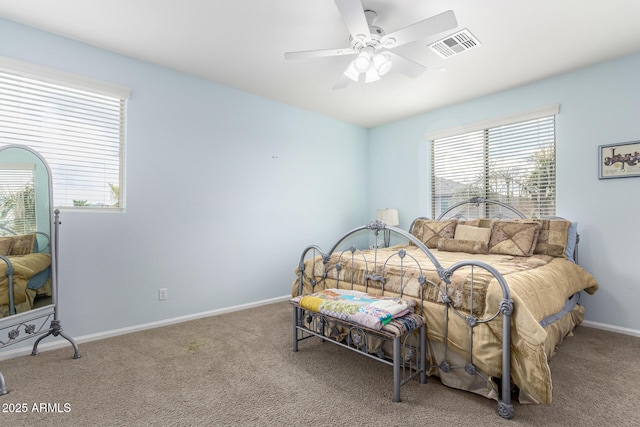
x: 373, y: 47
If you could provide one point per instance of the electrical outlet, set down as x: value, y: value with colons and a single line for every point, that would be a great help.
x: 162, y: 294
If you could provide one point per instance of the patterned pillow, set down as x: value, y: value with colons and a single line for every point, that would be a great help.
x: 514, y: 237
x: 5, y: 245
x: 553, y: 237
x: 23, y: 244
x: 460, y: 245
x: 430, y: 231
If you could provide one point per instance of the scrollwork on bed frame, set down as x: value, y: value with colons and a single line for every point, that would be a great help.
x: 322, y: 281
x: 477, y: 201
x: 503, y: 211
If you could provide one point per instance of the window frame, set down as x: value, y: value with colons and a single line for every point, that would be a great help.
x: 87, y: 85
x: 486, y: 127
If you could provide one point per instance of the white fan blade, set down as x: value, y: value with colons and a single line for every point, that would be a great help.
x: 308, y: 54
x: 420, y: 30
x: 342, y: 82
x: 405, y: 66
x: 354, y: 18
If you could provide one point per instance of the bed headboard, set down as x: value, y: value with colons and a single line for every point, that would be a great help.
x: 479, y: 207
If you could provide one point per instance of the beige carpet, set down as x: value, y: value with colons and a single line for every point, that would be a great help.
x: 238, y: 369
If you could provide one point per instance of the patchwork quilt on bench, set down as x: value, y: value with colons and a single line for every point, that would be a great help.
x: 392, y: 315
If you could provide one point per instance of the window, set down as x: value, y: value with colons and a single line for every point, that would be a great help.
x: 17, y: 198
x: 511, y: 160
x: 77, y: 125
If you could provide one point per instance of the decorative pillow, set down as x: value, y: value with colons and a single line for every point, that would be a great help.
x: 460, y: 245
x: 467, y: 232
x: 514, y: 237
x: 5, y: 245
x: 478, y: 222
x: 23, y: 244
x: 553, y: 237
x: 429, y: 231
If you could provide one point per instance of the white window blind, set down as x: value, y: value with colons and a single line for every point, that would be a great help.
x: 17, y: 198
x: 514, y: 163
x: 79, y: 131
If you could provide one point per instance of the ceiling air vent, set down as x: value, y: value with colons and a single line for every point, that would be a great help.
x: 455, y: 44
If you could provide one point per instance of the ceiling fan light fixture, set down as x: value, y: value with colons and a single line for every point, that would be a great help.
x: 371, y: 75
x: 362, y: 63
x: 382, y: 63
x: 368, y: 67
x: 352, y: 73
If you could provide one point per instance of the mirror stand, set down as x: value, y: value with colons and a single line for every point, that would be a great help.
x: 55, y: 328
x: 28, y: 251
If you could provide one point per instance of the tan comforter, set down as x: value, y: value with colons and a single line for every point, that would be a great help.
x: 540, y: 286
x: 24, y: 267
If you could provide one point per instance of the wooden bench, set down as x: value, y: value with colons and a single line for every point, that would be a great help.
x: 406, y: 333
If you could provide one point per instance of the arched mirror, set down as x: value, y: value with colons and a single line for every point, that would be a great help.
x: 28, y: 251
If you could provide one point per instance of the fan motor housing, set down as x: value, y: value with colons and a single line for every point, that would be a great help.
x: 373, y: 41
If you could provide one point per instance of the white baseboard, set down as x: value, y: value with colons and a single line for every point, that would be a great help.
x: 60, y: 343
x: 611, y: 328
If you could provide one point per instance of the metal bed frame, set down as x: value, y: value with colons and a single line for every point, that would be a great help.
x: 505, y: 308
x: 10, y: 270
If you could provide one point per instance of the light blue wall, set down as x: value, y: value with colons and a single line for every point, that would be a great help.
x: 211, y: 214
x: 598, y: 105
x: 203, y: 186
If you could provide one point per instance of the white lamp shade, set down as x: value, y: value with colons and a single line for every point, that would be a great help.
x: 382, y: 62
x: 362, y: 63
x: 388, y: 216
x: 352, y: 73
x: 371, y: 75
x: 368, y: 66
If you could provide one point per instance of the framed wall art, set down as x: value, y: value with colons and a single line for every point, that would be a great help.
x: 619, y: 160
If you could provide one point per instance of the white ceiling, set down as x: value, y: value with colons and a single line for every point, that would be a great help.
x: 241, y: 43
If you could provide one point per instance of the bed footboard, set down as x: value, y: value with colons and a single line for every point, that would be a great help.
x: 395, y: 271
x: 505, y: 309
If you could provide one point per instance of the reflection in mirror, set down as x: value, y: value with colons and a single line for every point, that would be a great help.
x: 25, y: 232
x: 28, y: 251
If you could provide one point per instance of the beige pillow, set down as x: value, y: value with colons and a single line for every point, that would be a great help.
x: 430, y: 231
x: 468, y: 232
x: 514, y: 237
x: 23, y: 244
x: 467, y: 246
x: 5, y: 245
x: 478, y: 222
